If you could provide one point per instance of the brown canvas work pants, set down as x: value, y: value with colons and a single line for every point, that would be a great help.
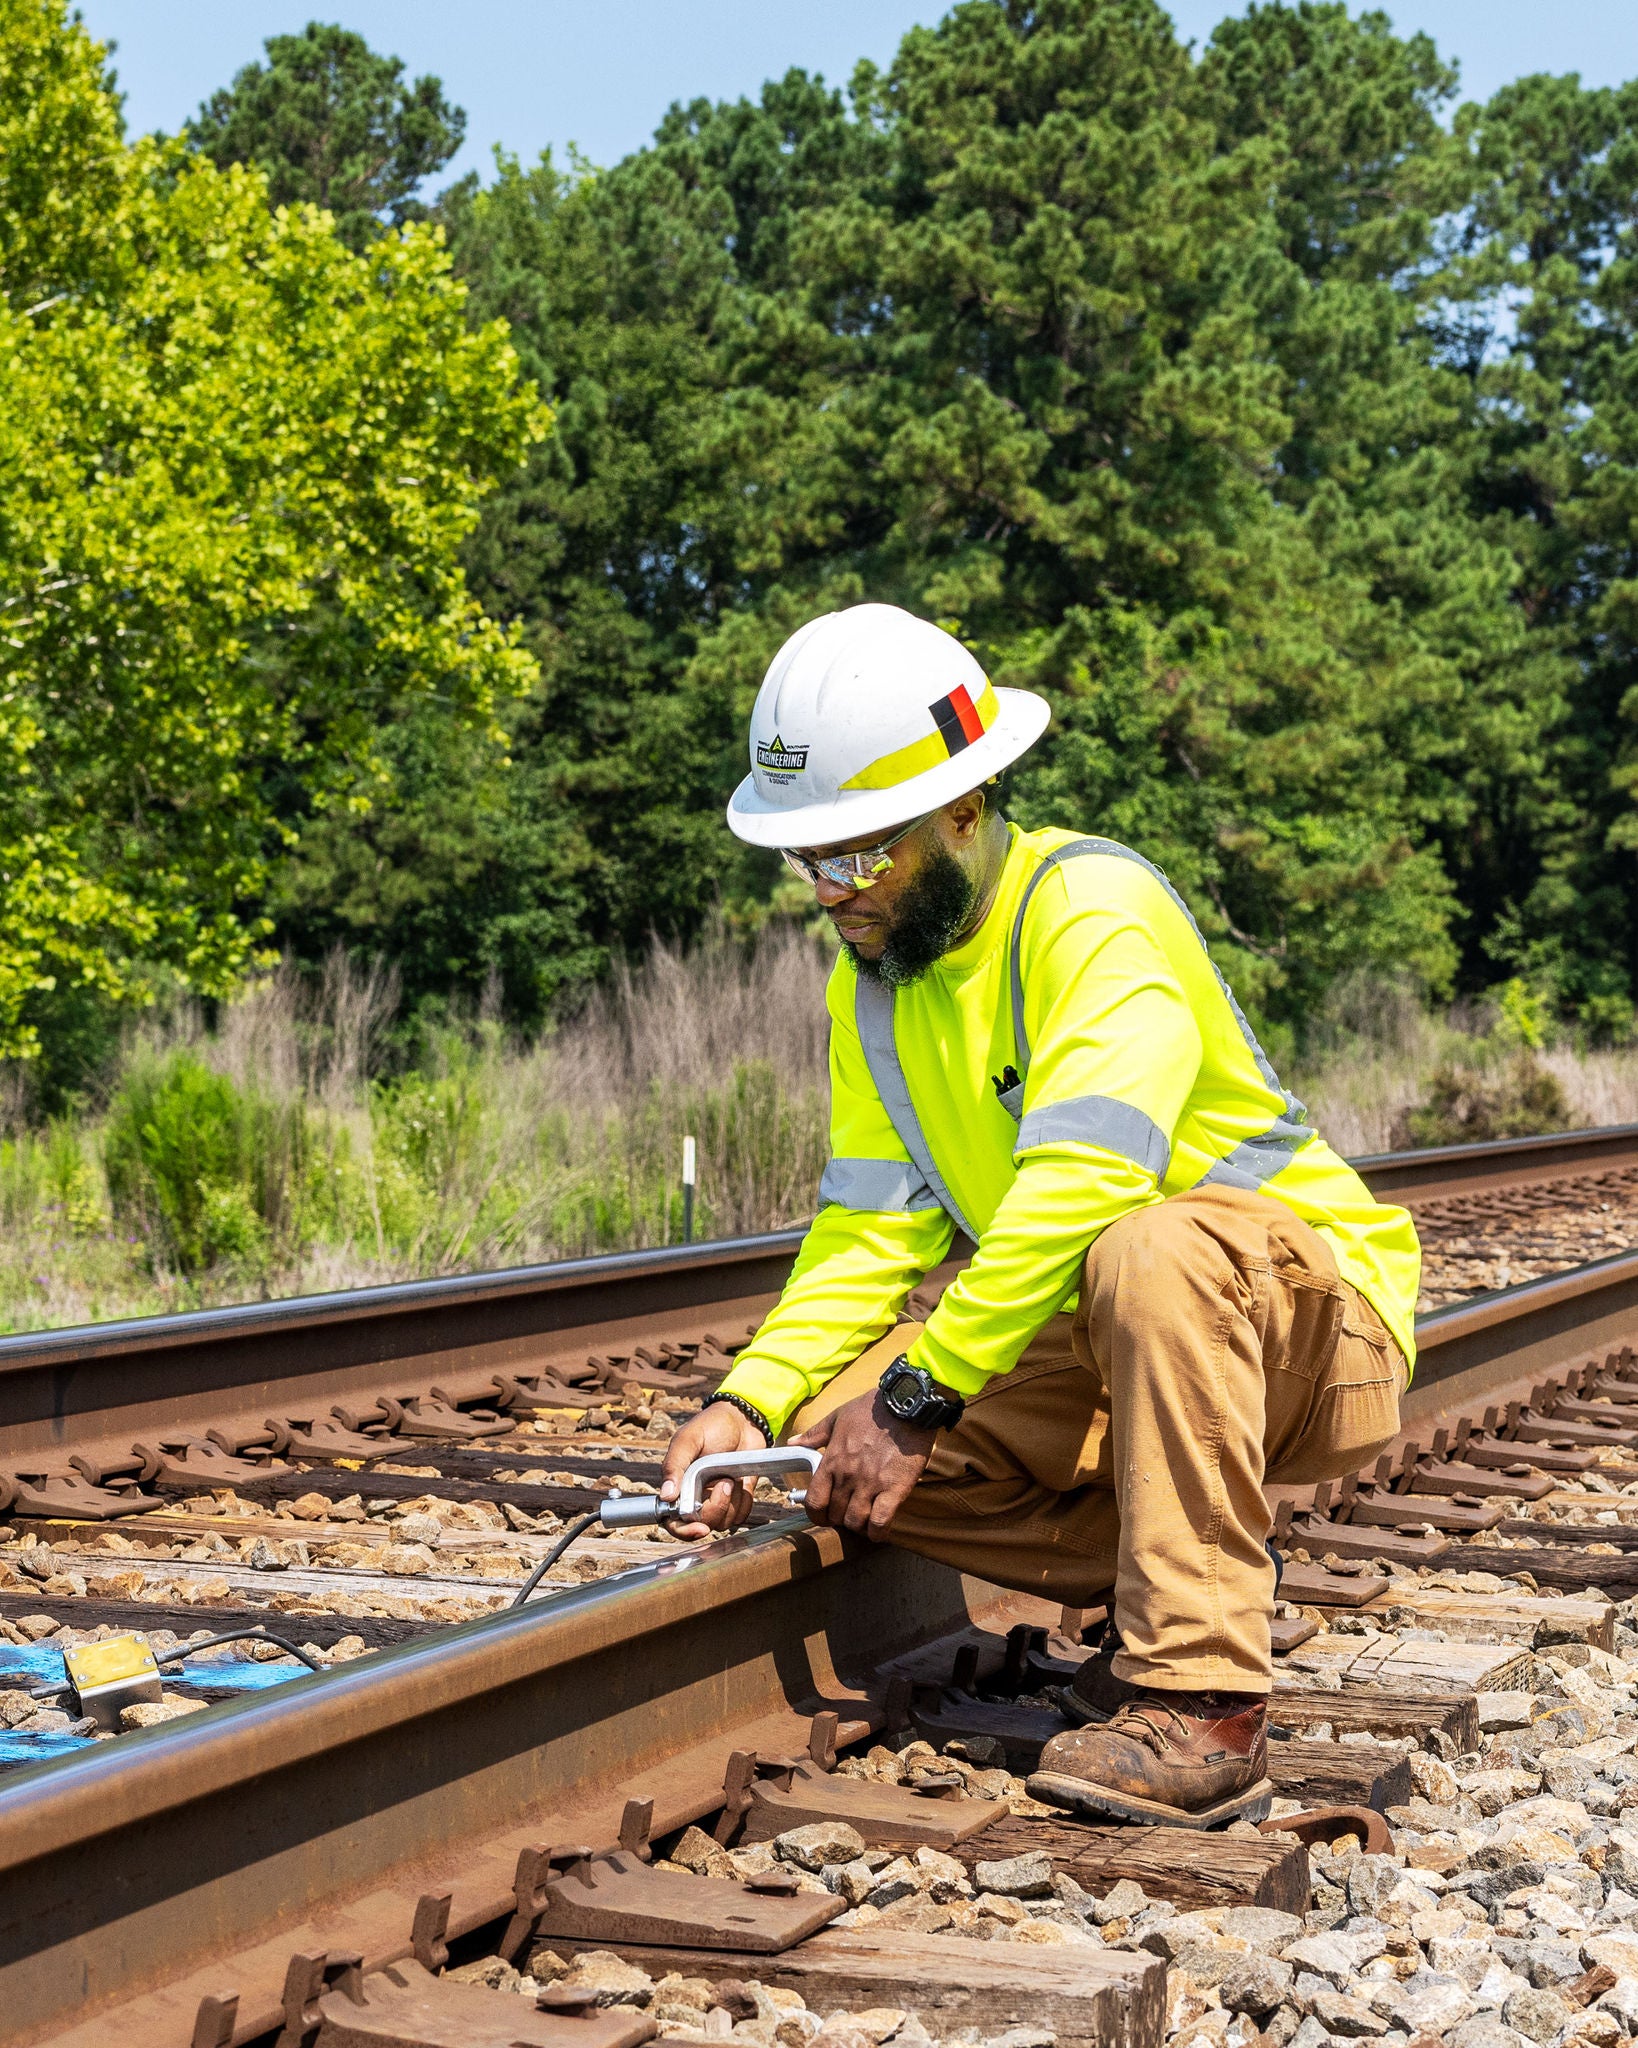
x: 1214, y: 1346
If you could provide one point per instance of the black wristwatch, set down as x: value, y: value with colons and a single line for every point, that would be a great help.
x: 914, y: 1397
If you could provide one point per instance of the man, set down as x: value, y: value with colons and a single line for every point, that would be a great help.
x: 1178, y: 1290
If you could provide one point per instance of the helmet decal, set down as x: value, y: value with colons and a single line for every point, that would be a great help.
x: 957, y: 719
x: 957, y: 722
x: 781, y: 760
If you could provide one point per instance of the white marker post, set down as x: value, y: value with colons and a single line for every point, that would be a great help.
x: 689, y: 1170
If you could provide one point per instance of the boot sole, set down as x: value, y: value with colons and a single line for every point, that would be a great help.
x: 1097, y: 1802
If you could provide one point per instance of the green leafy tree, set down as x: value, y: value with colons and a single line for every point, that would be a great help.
x: 1087, y: 410
x: 237, y: 465
x: 1011, y: 341
x: 472, y: 876
x: 610, y: 552
x: 329, y: 123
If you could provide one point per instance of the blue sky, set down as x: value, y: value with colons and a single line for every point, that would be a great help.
x: 538, y: 72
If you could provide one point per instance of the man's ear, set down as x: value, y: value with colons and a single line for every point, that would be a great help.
x: 965, y: 816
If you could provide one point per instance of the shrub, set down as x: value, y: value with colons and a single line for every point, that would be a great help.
x: 1467, y: 1105
x: 1606, y: 1020
x: 203, y: 1170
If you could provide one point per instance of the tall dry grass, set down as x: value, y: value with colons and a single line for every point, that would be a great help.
x: 1368, y: 1058
x: 1377, y: 1050
x: 1601, y: 1087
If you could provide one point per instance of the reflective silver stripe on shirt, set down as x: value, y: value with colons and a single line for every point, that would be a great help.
x: 875, y: 1184
x: 1295, y: 1111
x: 873, y: 1011
x: 1255, y: 1160
x: 1102, y: 1121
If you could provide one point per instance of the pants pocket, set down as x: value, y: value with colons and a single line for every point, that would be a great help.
x: 1351, y: 1422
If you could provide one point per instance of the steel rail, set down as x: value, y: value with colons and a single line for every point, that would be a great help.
x: 129, y: 1873
x: 1441, y: 1172
x: 108, y: 1382
x: 1469, y: 1353
x: 305, y: 1818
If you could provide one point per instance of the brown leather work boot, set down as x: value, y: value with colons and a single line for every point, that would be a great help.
x: 1189, y: 1760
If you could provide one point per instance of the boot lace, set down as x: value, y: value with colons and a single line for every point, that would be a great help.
x: 1146, y: 1721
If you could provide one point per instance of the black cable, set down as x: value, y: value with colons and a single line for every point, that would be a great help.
x: 243, y: 1635
x: 180, y: 1654
x: 575, y: 1528
x: 177, y: 1656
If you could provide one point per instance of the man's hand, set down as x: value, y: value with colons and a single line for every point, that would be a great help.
x: 719, y: 1426
x: 871, y: 1462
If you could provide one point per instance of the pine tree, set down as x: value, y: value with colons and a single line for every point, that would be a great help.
x: 328, y: 122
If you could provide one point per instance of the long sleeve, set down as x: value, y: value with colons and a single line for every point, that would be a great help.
x: 879, y: 1231
x: 1116, y: 1053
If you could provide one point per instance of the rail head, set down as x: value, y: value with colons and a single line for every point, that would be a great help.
x: 436, y: 1763
x: 45, y: 1807
x: 98, y: 1388
x: 346, y: 1776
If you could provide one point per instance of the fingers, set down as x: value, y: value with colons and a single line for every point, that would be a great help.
x: 816, y: 1503
x: 863, y: 1480
x: 727, y: 1505
x: 717, y: 1427
x: 840, y: 1492
x: 840, y: 1503
x: 854, y: 1512
x: 679, y: 1455
x: 830, y: 1490
x: 885, y: 1506
x: 733, y: 1499
x: 867, y: 1503
x: 714, y: 1514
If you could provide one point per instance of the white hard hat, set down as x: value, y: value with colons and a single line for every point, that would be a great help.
x: 866, y: 719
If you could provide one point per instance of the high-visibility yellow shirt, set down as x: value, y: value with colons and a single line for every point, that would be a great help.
x: 1141, y: 1079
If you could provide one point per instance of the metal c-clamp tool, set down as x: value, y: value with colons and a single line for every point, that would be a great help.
x: 638, y: 1510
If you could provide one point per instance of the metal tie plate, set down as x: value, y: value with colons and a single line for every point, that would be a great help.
x: 405, y: 2006
x: 616, y: 1897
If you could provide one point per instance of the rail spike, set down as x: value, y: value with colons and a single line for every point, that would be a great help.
x: 215, y: 2021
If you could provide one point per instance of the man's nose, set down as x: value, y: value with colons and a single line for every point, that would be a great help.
x: 831, y: 893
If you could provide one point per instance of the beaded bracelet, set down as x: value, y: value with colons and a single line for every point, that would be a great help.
x: 751, y: 1414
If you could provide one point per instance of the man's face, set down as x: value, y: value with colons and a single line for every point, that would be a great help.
x: 912, y: 915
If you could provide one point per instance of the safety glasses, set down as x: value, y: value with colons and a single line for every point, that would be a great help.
x: 860, y: 870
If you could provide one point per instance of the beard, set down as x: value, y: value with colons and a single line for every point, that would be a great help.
x: 927, y: 923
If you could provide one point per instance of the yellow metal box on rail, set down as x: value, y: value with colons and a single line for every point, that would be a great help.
x: 120, y: 1671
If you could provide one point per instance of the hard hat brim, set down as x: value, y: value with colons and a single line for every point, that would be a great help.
x: 861, y: 813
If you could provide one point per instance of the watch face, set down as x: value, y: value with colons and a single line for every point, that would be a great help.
x: 902, y: 1392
